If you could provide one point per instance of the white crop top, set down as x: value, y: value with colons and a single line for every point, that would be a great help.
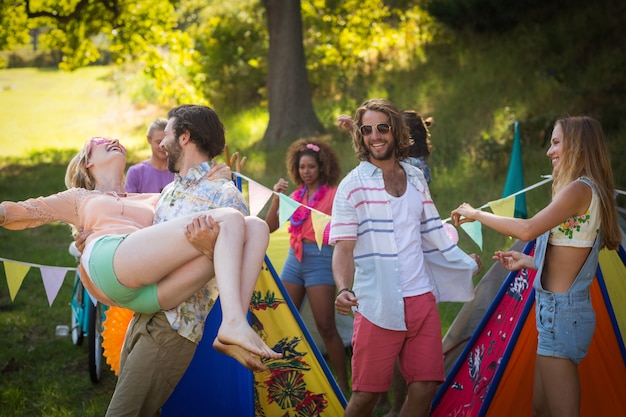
x: 579, y: 231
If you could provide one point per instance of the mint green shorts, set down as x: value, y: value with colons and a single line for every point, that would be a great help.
x: 142, y: 300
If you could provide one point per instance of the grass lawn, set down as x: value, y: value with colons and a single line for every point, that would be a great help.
x: 85, y: 104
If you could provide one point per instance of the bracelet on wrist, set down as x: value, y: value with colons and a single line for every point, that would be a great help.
x: 345, y: 290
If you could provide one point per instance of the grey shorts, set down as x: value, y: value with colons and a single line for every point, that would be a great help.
x: 565, y: 323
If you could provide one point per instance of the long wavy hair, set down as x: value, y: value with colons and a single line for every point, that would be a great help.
x: 585, y: 154
x: 399, y: 130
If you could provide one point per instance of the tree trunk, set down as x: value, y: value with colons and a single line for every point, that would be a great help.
x: 290, y: 104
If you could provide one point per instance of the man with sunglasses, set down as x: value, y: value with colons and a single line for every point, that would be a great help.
x: 392, y: 262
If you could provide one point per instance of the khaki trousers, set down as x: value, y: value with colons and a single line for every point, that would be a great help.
x: 154, y: 358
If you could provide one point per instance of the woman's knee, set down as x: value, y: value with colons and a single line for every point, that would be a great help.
x: 256, y: 226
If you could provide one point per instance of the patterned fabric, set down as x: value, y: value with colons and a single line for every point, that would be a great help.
x: 362, y: 209
x: 421, y: 164
x: 187, y: 195
x: 579, y: 231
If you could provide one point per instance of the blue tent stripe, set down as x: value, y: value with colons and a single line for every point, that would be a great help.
x: 307, y: 335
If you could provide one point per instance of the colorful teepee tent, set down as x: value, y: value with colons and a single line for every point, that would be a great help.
x: 493, y: 376
x: 300, y: 384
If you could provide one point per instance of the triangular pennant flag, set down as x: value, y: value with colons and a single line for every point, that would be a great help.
x: 503, y: 207
x: 52, y: 278
x: 286, y: 208
x: 475, y: 232
x: 320, y: 221
x: 258, y: 196
x: 515, y: 176
x: 15, y: 276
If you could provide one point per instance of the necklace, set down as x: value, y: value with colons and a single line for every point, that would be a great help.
x: 302, y: 213
x: 119, y: 197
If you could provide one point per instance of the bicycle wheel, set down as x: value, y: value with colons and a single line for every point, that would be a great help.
x: 78, y: 312
x: 95, y: 341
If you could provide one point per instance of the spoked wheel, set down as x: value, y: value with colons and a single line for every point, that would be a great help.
x: 78, y: 312
x: 95, y: 341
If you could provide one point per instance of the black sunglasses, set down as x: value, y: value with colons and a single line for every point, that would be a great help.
x: 381, y: 127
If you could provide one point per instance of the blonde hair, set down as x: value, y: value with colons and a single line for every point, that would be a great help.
x: 77, y: 175
x: 585, y: 154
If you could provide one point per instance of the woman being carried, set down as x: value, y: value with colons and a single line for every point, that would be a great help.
x: 143, y: 268
x: 580, y: 219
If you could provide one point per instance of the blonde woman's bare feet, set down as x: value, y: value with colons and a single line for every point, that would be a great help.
x: 241, y: 334
x: 241, y: 355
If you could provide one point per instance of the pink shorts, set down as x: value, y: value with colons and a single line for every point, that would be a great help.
x: 419, y: 348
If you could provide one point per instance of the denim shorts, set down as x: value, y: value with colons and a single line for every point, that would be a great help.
x: 142, y: 300
x: 565, y: 323
x: 316, y: 267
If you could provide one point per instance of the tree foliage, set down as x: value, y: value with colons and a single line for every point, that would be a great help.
x: 140, y: 31
x: 210, y: 51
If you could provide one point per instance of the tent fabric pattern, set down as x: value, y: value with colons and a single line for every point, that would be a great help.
x: 299, y: 384
x: 493, y: 377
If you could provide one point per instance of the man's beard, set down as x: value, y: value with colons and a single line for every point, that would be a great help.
x: 174, y: 153
x: 389, y: 154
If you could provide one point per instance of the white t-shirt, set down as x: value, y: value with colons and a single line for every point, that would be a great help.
x: 407, y: 212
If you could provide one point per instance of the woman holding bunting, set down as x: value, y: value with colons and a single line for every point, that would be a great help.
x: 314, y: 167
x: 579, y: 221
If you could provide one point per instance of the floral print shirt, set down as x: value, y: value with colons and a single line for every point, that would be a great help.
x: 195, y: 192
x: 579, y: 231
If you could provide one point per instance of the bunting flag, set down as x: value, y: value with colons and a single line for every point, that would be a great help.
x: 504, y: 207
x: 52, y: 277
x: 286, y: 208
x: 475, y: 232
x: 258, y: 196
x: 320, y: 221
x: 15, y: 276
x: 515, y: 177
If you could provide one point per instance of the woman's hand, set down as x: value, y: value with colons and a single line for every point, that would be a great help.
x: 514, y: 260
x: 220, y: 171
x: 281, y: 186
x: 463, y: 214
x: 202, y: 233
x: 345, y: 122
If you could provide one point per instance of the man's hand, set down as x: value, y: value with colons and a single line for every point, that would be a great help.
x: 202, y: 233
x: 345, y: 301
x: 476, y: 259
x: 80, y: 237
